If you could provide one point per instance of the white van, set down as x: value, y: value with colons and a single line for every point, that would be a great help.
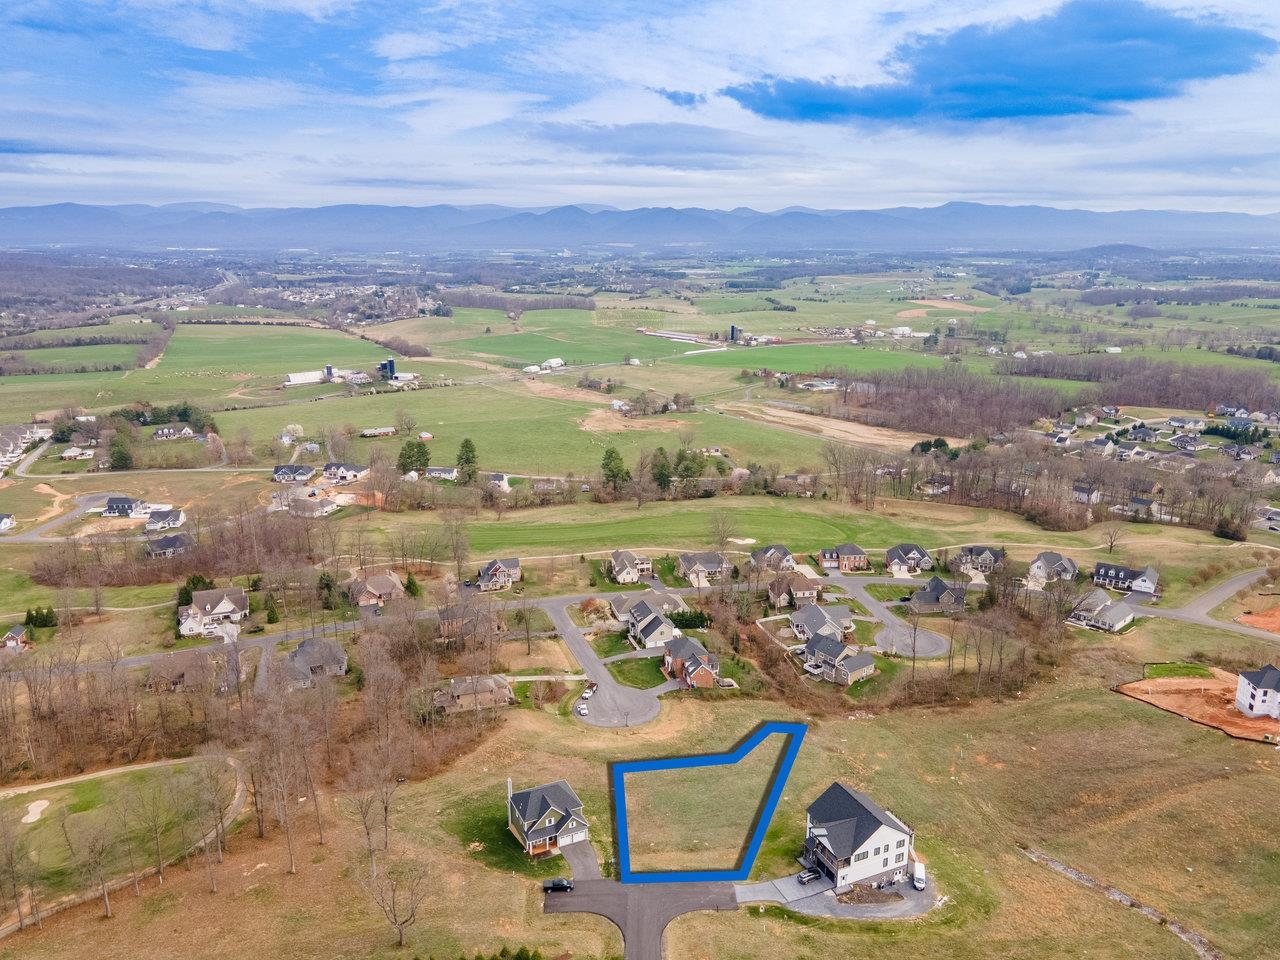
x: 917, y: 875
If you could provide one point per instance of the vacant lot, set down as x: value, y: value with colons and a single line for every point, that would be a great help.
x: 1205, y: 696
x: 698, y: 818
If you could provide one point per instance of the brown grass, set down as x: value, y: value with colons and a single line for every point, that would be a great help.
x: 611, y: 421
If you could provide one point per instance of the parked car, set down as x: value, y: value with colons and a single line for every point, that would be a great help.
x: 557, y: 885
x: 808, y: 876
x: 588, y: 693
x: 582, y: 709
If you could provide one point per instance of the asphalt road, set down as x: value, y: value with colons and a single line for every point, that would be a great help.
x: 896, y: 636
x: 40, y: 532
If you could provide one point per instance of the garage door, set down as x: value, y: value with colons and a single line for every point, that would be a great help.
x: 574, y: 837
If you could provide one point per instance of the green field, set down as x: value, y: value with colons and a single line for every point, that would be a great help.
x: 1154, y: 671
x: 810, y: 358
x: 225, y: 350
x: 698, y: 818
x: 643, y: 673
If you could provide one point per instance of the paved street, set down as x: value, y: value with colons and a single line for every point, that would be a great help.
x: 818, y: 899
x: 896, y: 636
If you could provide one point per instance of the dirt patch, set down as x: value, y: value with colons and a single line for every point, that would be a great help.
x: 548, y: 655
x: 55, y: 508
x: 558, y: 391
x: 865, y: 894
x: 952, y: 305
x: 611, y: 421
x: 911, y: 314
x: 1268, y: 620
x: 1208, y: 701
x: 847, y: 431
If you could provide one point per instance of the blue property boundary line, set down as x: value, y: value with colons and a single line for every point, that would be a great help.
x: 795, y: 735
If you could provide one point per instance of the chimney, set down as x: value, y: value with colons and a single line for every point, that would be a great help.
x: 508, y: 789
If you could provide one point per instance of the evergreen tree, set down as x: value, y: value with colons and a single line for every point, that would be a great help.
x: 613, y: 470
x: 661, y: 469
x: 121, y: 454
x: 468, y: 462
x: 411, y: 585
x: 273, y: 610
x: 414, y: 455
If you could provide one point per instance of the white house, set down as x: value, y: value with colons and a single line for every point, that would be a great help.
x: 907, y: 559
x: 852, y: 840
x: 165, y: 520
x: 7, y: 522
x: 1258, y: 692
x: 210, y: 608
x: 555, y: 363
x: 1051, y: 565
x: 628, y: 567
x: 1117, y: 577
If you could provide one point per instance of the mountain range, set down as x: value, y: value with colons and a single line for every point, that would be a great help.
x: 366, y: 227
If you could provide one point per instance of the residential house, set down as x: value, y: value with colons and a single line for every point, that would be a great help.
x: 934, y: 486
x: 1132, y: 450
x: 810, y: 620
x: 1191, y: 424
x: 792, y: 590
x: 1099, y: 612
x: 442, y: 473
x: 292, y: 473
x: 845, y: 558
x: 126, y: 507
x: 172, y: 545
x: 1050, y: 566
x: 1142, y: 506
x: 180, y: 671
x: 1099, y: 447
x: 165, y: 520
x: 1142, y: 435
x: 1188, y: 442
x: 1060, y: 439
x: 628, y: 567
x: 701, y: 569
x: 1065, y: 426
x: 1112, y: 412
x: 628, y: 607
x: 1258, y: 692
x: 314, y: 658
x: 773, y: 557
x: 907, y: 559
x: 937, y: 596
x: 14, y: 639
x: 500, y: 481
x: 76, y: 453
x: 472, y: 694
x: 852, y: 840
x: 461, y: 621
x: 1240, y: 423
x: 500, y: 574
x: 378, y: 432
x: 376, y: 591
x: 546, y: 818
x: 1086, y: 493
x: 686, y: 660
x: 7, y: 522
x: 648, y: 629
x: 183, y: 432
x: 210, y: 608
x: 313, y: 507
x: 1117, y: 577
x: 830, y: 659
x: 345, y: 472
x: 975, y: 559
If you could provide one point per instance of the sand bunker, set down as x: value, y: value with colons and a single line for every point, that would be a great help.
x: 34, y: 809
x: 742, y: 540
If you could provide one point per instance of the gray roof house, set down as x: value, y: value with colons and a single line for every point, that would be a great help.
x: 937, y: 596
x: 500, y: 574
x: 702, y: 568
x: 975, y: 559
x: 545, y: 818
x: 315, y: 657
x: 173, y: 545
x: 1051, y: 565
x: 775, y: 556
x: 811, y: 621
x: 628, y: 567
x: 907, y: 558
x: 852, y: 840
x: 829, y: 658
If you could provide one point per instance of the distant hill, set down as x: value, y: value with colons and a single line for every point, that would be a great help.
x: 358, y: 227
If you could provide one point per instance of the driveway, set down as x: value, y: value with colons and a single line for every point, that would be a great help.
x: 582, y: 861
x: 641, y: 911
x: 818, y: 899
x: 896, y: 635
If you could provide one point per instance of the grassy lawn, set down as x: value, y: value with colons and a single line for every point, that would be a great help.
x: 94, y: 805
x: 539, y: 620
x: 667, y: 815
x: 479, y: 824
x: 1154, y: 671
x: 886, y: 669
x: 600, y: 581
x: 643, y: 673
x: 889, y: 591
x: 611, y: 644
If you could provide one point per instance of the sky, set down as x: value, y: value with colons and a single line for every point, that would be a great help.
x: 1102, y: 104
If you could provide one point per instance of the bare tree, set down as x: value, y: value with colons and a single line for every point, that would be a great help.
x: 398, y: 891
x: 722, y: 529
x: 1111, y: 533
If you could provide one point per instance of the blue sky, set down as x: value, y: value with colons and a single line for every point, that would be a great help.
x: 1095, y: 103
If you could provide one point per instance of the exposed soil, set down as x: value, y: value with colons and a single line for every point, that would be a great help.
x: 611, y: 421
x: 1207, y: 701
x: 952, y: 305
x: 848, y: 431
x: 911, y: 314
x: 557, y: 391
x: 864, y: 894
x: 1268, y: 619
x: 54, y: 509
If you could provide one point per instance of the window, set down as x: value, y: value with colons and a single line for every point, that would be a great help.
x: 886, y: 862
x: 901, y: 844
x: 860, y: 855
x: 899, y: 858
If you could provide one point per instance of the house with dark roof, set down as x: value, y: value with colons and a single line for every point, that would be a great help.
x: 811, y: 621
x: 651, y: 630
x: 499, y: 574
x: 210, y: 608
x: 292, y: 473
x: 937, y: 596
x: 830, y: 659
x: 126, y: 507
x: 375, y: 591
x: 907, y: 559
x: 1116, y: 577
x: 844, y: 558
x: 546, y: 818
x: 685, y: 660
x: 1085, y: 493
x: 852, y: 840
x: 1258, y: 692
x: 165, y: 520
x: 167, y: 547
x: 314, y: 658
x: 345, y: 472
x: 14, y: 639
x: 1098, y: 611
x: 629, y: 607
